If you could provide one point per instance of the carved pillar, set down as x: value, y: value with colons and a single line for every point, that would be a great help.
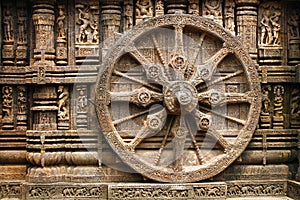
x: 293, y: 22
x: 8, y: 54
x: 247, y: 24
x: 43, y: 20
x: 111, y: 21
x: 87, y: 32
x: 61, y: 35
x: 176, y: 6
x: 213, y: 9
x: 270, y: 33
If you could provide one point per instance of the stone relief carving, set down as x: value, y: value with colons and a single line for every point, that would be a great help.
x: 293, y: 22
x: 179, y: 76
x: 128, y: 14
x: 278, y: 117
x: 270, y: 24
x: 213, y: 10
x: 87, y: 20
x: 295, y: 108
x: 63, y: 107
x: 8, y: 26
x: 7, y: 103
x: 159, y: 8
x: 265, y: 116
x: 194, y: 8
x: 60, y: 21
x: 144, y: 10
x: 229, y: 15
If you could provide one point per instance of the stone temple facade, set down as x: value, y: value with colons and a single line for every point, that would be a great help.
x: 149, y: 99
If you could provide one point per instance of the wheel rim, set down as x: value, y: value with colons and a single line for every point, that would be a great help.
x: 177, y: 97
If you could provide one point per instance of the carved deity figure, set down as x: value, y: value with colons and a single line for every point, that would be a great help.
x: 293, y: 22
x: 8, y: 26
x: 229, y: 15
x: 61, y: 35
x: 22, y: 27
x: 278, y: 100
x: 82, y: 101
x: 265, y: 111
x: 213, y: 8
x: 295, y: 104
x: 159, y: 8
x: 84, y: 21
x: 194, y: 9
x: 128, y: 17
x: 21, y: 101
x: 144, y: 9
x: 7, y: 104
x: 63, y: 102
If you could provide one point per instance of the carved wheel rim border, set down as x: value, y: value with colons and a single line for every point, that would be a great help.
x: 102, y: 100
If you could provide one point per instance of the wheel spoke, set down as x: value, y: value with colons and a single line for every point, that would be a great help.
x: 220, y: 139
x: 206, y: 70
x: 196, y: 146
x: 154, y: 72
x: 137, y: 81
x: 140, y: 97
x: 180, y: 132
x: 130, y: 117
x: 179, y: 39
x: 239, y: 121
x: 199, y: 50
x: 216, y: 98
x: 163, y: 144
x: 153, y: 124
x: 221, y: 79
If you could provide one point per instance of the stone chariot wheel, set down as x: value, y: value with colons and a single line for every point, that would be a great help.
x: 178, y: 98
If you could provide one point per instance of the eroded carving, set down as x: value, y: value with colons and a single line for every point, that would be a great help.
x: 278, y: 117
x: 144, y: 10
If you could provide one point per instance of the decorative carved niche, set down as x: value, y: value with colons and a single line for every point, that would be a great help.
x: 61, y: 23
x: 293, y: 23
x: 270, y: 33
x: 8, y: 27
x: 295, y: 107
x: 87, y: 32
x: 213, y: 9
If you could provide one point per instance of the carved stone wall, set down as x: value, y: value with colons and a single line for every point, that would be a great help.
x: 80, y: 82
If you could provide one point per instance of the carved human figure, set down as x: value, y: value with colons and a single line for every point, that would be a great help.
x: 265, y: 102
x: 144, y: 9
x: 21, y: 101
x: 274, y: 19
x: 61, y: 24
x: 229, y: 15
x: 7, y: 103
x: 128, y: 17
x: 194, y: 9
x: 159, y: 8
x: 22, y: 27
x: 84, y: 21
x: 95, y: 33
x: 82, y: 101
x: 8, y: 26
x: 293, y: 22
x: 213, y: 7
x: 62, y: 102
x: 295, y: 104
x: 266, y: 30
x: 278, y: 101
